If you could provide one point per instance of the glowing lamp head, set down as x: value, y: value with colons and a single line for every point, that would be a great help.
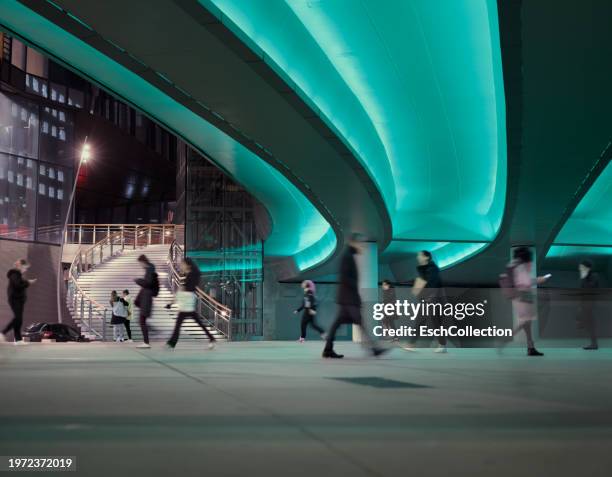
x: 86, y: 153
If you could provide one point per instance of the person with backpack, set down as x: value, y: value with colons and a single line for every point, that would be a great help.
x: 149, y: 288
x: 130, y: 313
x: 309, y: 307
x: 518, y: 285
x: 186, y: 299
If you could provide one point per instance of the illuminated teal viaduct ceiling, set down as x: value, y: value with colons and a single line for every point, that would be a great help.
x: 414, y: 88
x: 588, y: 230
x: 299, y: 230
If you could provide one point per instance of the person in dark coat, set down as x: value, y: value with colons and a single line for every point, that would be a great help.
x: 589, y: 282
x: 349, y: 301
x: 144, y: 299
x: 16, y: 292
x: 186, y: 298
x: 428, y: 287
x: 309, y: 308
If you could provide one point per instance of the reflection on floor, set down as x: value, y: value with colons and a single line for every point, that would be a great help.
x: 251, y: 409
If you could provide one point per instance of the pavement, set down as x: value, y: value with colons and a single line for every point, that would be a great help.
x: 278, y: 409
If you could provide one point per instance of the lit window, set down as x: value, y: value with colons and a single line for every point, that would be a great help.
x: 35, y: 84
x: 54, y: 113
x: 20, y: 180
x: 41, y: 189
x: 43, y: 170
x: 62, y: 99
x: 45, y: 127
x: 51, y: 173
x: 60, y: 176
x: 45, y: 92
x: 51, y: 192
x: 24, y: 114
x: 14, y: 110
x: 54, y: 131
x: 53, y: 94
x: 11, y: 178
x: 29, y: 183
x: 30, y: 164
x: 60, y: 194
x: 62, y: 116
x: 62, y: 134
x: 20, y: 161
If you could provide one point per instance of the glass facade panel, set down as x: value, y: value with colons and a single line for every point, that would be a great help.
x: 17, y: 198
x: 18, y: 126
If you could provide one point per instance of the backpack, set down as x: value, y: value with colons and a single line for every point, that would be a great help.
x: 155, y: 285
x: 506, y: 283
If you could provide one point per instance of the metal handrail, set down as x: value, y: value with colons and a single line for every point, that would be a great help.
x: 217, y: 314
x: 147, y: 234
x: 80, y: 300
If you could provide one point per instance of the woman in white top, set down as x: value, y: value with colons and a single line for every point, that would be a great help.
x: 524, y: 303
x: 119, y: 307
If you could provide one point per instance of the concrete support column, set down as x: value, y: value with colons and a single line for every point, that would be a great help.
x: 367, y: 266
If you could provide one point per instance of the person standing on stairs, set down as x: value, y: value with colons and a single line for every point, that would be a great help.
x: 309, y: 305
x: 130, y: 314
x: 149, y: 288
x: 186, y: 299
x: 119, y: 307
x: 16, y: 298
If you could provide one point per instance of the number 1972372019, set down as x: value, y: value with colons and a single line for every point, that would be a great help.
x: 37, y: 463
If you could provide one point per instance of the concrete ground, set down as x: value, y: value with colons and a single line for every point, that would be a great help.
x: 277, y: 408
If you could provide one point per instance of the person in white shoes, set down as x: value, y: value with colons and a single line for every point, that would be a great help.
x: 428, y: 287
x: 16, y: 298
x: 309, y: 306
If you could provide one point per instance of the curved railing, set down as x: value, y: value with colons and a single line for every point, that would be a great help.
x: 217, y: 314
x: 90, y: 312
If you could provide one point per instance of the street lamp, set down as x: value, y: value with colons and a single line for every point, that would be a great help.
x: 85, y: 156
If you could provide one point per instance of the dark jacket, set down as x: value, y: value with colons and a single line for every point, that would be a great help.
x: 431, y: 274
x: 309, y: 302
x: 144, y: 299
x: 16, y: 286
x: 191, y: 281
x: 348, y: 290
x: 588, y: 284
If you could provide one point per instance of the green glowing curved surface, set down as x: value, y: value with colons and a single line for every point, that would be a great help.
x: 591, y: 221
x: 413, y: 87
x: 445, y: 254
x: 299, y: 230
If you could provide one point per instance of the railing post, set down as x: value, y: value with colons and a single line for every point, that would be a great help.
x: 80, y: 234
x: 108, y: 230
x: 89, y: 318
x: 104, y: 326
x: 94, y: 235
x: 149, y: 236
x: 122, y: 238
x: 163, y: 234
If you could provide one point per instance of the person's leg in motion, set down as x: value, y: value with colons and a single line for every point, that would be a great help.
x: 17, y: 321
x: 418, y: 322
x: 303, y: 325
x: 198, y: 319
x: 177, y: 329
x: 145, y: 331
x: 316, y: 326
x: 368, y: 342
x: 341, y: 319
x: 590, y: 326
x: 128, y: 329
x: 441, y: 339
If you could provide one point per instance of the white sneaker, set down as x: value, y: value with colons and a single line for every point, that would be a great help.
x: 410, y: 347
x: 20, y: 343
x: 143, y: 346
x: 211, y: 346
x: 323, y: 336
x: 441, y: 349
x: 129, y: 341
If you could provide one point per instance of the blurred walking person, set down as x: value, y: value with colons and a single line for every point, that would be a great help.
x: 428, y: 287
x: 589, y: 282
x: 309, y: 308
x: 149, y: 288
x: 119, y: 315
x: 523, y: 301
x: 349, y: 301
x: 186, y: 299
x: 16, y: 292
x: 389, y: 297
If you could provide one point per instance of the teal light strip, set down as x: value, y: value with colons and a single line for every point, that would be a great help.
x: 297, y: 225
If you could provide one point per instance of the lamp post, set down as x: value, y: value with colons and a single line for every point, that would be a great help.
x: 85, y: 156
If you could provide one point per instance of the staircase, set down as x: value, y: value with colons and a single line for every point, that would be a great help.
x: 118, y: 272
